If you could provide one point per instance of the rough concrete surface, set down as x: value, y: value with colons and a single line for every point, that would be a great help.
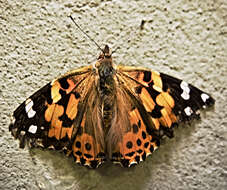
x: 186, y: 39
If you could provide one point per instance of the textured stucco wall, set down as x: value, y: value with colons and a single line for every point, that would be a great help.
x: 187, y: 39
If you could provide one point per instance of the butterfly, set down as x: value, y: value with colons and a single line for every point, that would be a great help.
x: 107, y: 112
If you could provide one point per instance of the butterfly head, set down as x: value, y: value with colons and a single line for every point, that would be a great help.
x: 104, y: 63
x: 105, y: 54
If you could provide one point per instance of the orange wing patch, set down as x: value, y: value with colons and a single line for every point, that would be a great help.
x: 148, y: 87
x: 157, y: 81
x: 147, y: 101
x: 86, y: 150
x: 52, y: 114
x: 136, y: 144
x: 56, y: 124
x: 164, y: 99
x: 71, y: 109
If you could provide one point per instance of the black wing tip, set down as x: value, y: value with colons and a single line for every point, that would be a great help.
x: 207, y: 100
x: 210, y: 102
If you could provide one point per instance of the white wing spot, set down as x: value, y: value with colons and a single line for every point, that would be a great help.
x: 185, y: 95
x: 186, y: 90
x: 184, y: 86
x: 204, y: 97
x: 31, y: 113
x: 32, y: 129
x: 29, y: 103
x: 28, y: 108
x: 188, y: 111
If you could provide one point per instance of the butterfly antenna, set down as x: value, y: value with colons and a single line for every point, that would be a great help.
x: 85, y: 33
x: 115, y: 50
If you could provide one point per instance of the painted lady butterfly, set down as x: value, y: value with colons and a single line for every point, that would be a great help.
x: 105, y: 111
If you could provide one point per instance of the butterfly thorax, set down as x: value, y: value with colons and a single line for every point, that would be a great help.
x: 106, y: 86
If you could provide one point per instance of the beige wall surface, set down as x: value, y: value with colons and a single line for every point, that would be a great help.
x: 186, y: 39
